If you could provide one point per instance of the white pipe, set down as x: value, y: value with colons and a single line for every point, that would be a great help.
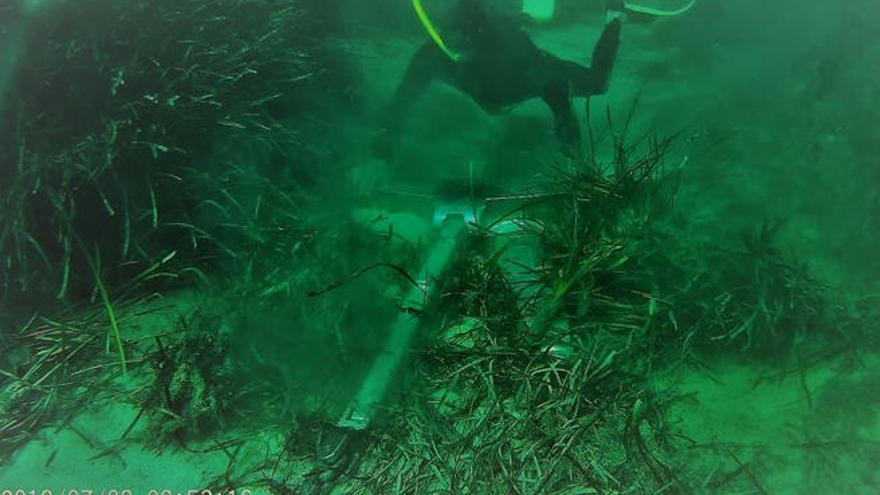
x: 362, y: 410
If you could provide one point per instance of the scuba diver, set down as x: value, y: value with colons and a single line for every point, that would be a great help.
x: 492, y: 59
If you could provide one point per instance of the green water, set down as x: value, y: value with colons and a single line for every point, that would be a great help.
x: 314, y: 288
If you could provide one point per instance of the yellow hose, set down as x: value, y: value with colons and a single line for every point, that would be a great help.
x: 432, y: 32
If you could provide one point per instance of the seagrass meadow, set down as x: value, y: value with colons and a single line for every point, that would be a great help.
x: 233, y: 262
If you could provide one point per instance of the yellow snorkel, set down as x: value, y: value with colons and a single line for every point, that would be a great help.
x: 432, y: 32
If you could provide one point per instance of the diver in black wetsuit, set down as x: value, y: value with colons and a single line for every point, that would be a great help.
x: 499, y: 66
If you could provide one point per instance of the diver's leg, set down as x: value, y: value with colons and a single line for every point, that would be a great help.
x: 427, y: 64
x: 605, y: 54
x: 558, y: 98
x: 595, y: 80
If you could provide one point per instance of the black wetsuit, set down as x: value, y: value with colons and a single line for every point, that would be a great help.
x: 500, y: 67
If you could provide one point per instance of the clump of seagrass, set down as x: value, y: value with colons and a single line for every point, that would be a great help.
x: 603, y: 272
x: 52, y: 369
x: 195, y: 390
x: 115, y: 101
x: 557, y: 399
x: 507, y: 420
x: 762, y: 300
x: 475, y: 288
